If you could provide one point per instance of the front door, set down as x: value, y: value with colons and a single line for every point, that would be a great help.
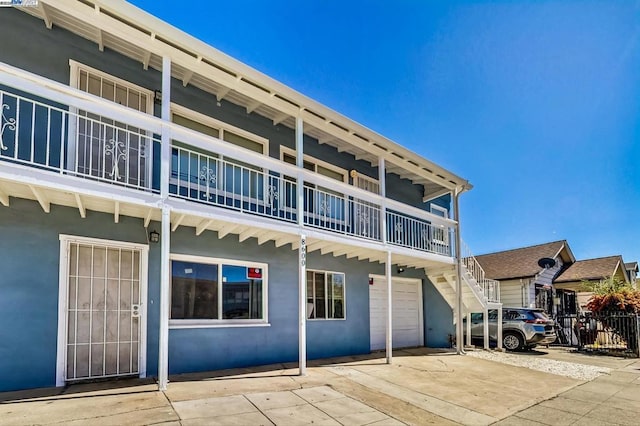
x: 104, y: 286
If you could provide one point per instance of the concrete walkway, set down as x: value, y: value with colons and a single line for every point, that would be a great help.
x: 612, y: 399
x: 421, y: 387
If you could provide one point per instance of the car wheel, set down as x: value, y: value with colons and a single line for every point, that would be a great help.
x: 512, y: 342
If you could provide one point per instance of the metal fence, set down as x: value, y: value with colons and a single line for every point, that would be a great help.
x: 610, y: 333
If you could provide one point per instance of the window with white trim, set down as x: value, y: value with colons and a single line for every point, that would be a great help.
x: 320, y: 203
x: 214, y: 291
x: 210, y: 173
x: 325, y: 295
x: 100, y: 146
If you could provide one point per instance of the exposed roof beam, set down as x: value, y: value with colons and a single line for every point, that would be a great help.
x: 280, y: 118
x: 146, y: 59
x: 226, y: 231
x: 267, y: 236
x: 81, y: 209
x: 252, y: 106
x: 177, y: 222
x: 147, y: 219
x: 245, y: 235
x: 328, y: 249
x: 325, y: 139
x: 355, y: 253
x: 42, y: 199
x: 342, y: 251
x: 4, y: 198
x: 100, y: 40
x: 363, y: 156
x: 45, y: 15
x: 343, y: 148
x: 186, y: 78
x: 317, y: 245
x: 282, y: 241
x: 222, y: 93
x: 116, y: 212
x: 202, y: 226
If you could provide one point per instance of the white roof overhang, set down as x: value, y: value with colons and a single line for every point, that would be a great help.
x: 126, y: 29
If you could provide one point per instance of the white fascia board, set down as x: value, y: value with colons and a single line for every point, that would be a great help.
x: 435, y: 195
x: 200, y: 49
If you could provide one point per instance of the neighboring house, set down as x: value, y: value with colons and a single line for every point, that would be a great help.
x: 548, y: 276
x: 525, y: 281
x: 168, y: 209
x: 574, y: 276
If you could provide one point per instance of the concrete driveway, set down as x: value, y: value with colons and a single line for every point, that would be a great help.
x: 422, y: 387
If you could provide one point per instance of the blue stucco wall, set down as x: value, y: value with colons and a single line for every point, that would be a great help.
x: 438, y: 317
x: 29, y: 261
x: 217, y: 348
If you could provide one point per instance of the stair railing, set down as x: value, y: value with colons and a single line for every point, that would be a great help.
x: 490, y: 288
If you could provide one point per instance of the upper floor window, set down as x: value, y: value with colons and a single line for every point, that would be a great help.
x: 315, y: 165
x: 210, y: 126
x: 325, y: 295
x: 105, y: 148
x: 208, y: 291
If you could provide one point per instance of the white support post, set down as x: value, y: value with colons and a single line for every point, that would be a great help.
x: 300, y: 164
x: 165, y: 244
x: 468, y: 329
x: 302, y: 306
x: 165, y: 150
x: 382, y: 178
x: 458, y: 310
x: 389, y: 328
x: 165, y: 270
x: 499, y: 336
x: 485, y: 327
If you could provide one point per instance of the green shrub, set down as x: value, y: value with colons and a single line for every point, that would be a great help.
x: 613, y: 295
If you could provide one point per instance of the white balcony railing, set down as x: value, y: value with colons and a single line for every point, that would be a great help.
x: 50, y: 126
x: 490, y: 288
x: 42, y: 134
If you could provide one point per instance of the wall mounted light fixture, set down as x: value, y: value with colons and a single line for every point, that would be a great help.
x: 154, y: 236
x: 400, y: 270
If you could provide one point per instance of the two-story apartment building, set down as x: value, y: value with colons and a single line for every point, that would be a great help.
x: 167, y: 209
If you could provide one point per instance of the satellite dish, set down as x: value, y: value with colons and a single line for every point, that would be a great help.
x: 546, y: 262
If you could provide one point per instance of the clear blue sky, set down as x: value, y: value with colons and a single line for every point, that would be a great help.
x: 537, y: 103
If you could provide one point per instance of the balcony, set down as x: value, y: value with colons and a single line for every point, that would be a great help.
x: 59, y: 130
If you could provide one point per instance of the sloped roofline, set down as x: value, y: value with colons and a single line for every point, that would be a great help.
x: 180, y: 40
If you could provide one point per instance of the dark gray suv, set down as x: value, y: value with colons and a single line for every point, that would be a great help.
x: 522, y: 328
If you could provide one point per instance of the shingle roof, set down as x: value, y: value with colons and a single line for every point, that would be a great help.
x: 590, y: 269
x: 518, y: 263
x: 631, y: 265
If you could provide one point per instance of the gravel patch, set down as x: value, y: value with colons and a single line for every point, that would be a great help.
x: 560, y: 368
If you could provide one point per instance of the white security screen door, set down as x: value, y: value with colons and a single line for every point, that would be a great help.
x: 105, y: 290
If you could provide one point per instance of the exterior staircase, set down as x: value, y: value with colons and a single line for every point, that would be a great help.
x: 479, y: 294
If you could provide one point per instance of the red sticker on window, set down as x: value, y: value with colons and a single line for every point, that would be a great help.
x: 255, y: 273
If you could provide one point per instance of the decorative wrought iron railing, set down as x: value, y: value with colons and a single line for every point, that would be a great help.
x: 419, y: 234
x: 85, y: 136
x: 45, y: 135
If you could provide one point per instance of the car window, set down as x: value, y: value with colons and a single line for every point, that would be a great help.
x: 540, y: 315
x: 476, y: 317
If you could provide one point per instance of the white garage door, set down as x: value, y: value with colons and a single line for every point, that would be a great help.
x: 407, y: 312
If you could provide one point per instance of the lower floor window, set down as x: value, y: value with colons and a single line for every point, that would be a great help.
x: 212, y: 289
x: 325, y: 295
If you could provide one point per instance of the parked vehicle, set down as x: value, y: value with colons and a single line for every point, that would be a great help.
x: 522, y: 328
